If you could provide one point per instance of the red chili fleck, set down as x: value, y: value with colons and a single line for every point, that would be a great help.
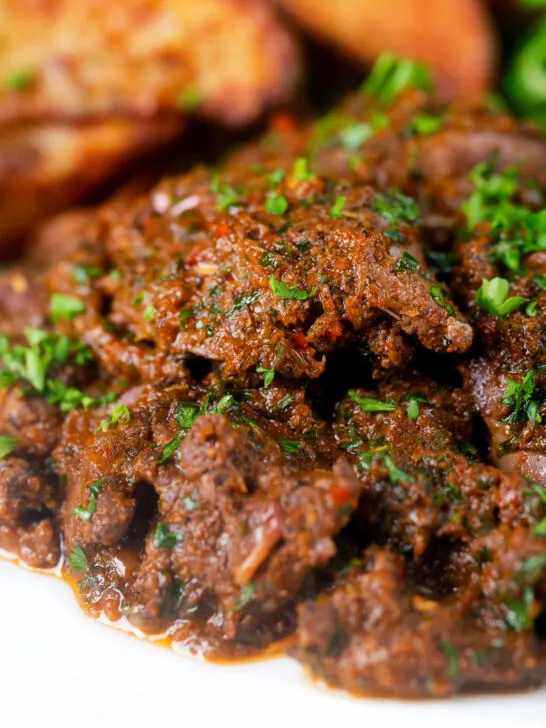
x: 300, y: 341
x: 221, y: 230
x: 283, y: 123
x: 340, y: 495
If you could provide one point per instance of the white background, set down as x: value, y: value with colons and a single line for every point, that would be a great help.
x: 59, y: 669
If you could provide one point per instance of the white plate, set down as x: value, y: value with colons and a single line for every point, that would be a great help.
x: 59, y: 669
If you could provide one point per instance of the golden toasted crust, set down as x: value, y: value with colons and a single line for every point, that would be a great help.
x: 43, y: 169
x: 453, y: 36
x: 67, y: 58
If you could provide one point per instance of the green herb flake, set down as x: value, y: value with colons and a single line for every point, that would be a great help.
x: 269, y: 375
x: 276, y: 204
x: 169, y: 450
x: 523, y: 399
x: 7, y: 445
x: 82, y: 274
x: 120, y: 415
x: 337, y: 208
x: 248, y: 592
x: 413, y: 401
x: 425, y: 124
x: 149, y: 313
x: 63, y: 307
x: 86, y: 513
x: 77, y: 559
x: 406, y: 262
x: 439, y: 298
x: 20, y: 80
x: 282, y: 290
x: 354, y: 135
x: 301, y: 171
x: 492, y: 297
x: 163, y: 537
x: 395, y: 474
x: 390, y: 76
x: 291, y: 447
x: 369, y: 404
x: 519, y: 613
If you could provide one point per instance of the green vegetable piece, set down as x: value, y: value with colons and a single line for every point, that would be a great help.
x: 353, y: 136
x: 492, y: 297
x: 438, y: 297
x: 395, y: 474
x: 282, y: 290
x: 77, y: 559
x: 20, y: 80
x: 523, y: 399
x: 291, y: 447
x: 425, y: 124
x: 301, y: 170
x: 247, y: 594
x: 337, y: 208
x: 149, y: 313
x: 7, y: 445
x: 86, y: 513
x: 406, y: 262
x: 64, y: 307
x: 276, y: 204
x: 369, y: 404
x: 391, y: 75
x: 452, y: 657
x: 519, y: 613
x: 163, y: 537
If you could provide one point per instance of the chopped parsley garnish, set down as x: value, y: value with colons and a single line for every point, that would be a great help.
x: 291, y: 447
x: 282, y: 290
x: 519, y: 613
x: 354, y: 135
x: 186, y: 313
x: 185, y: 416
x: 395, y: 474
x: 7, y: 445
x: 425, y: 124
x: 523, y: 399
x: 397, y: 209
x: 31, y: 365
x: 413, y: 401
x: 120, y: 415
x: 64, y: 307
x: 276, y: 204
x: 515, y: 230
x: 149, y: 313
x: 301, y: 170
x: 163, y: 537
x: 20, y: 80
x: 438, y: 297
x: 244, y: 299
x: 337, y: 208
x: 540, y: 528
x: 248, y: 593
x: 492, y: 297
x: 77, y: 559
x: 531, y: 309
x: 85, y: 513
x: 391, y: 75
x: 83, y: 273
x: 533, y: 566
x: 369, y: 404
x: 269, y: 375
x: 226, y: 196
x: 406, y: 262
x: 275, y: 177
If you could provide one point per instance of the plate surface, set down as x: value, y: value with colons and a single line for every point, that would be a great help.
x: 59, y: 669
